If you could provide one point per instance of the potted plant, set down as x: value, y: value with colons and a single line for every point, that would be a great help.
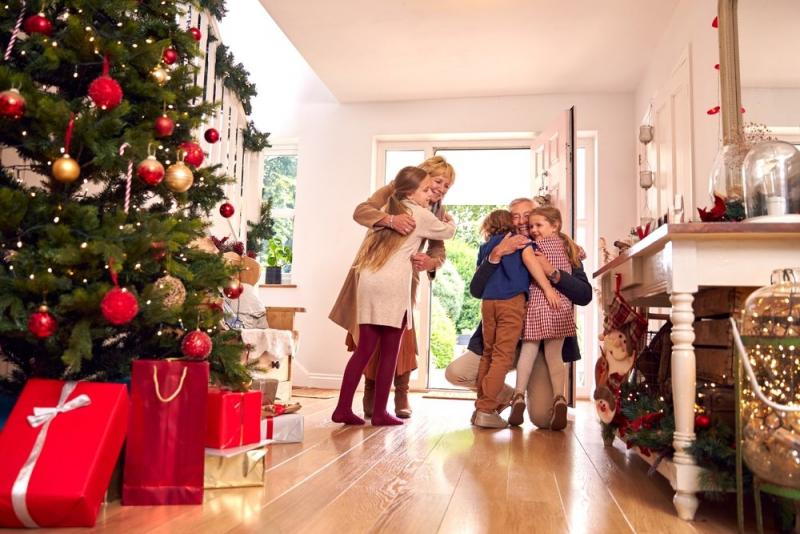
x: 277, y: 255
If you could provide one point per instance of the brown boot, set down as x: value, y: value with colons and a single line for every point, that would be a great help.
x: 369, y: 396
x: 402, y: 408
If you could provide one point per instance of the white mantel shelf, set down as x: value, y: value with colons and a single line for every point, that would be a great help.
x: 666, y: 269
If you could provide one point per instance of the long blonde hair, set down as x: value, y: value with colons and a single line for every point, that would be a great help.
x: 553, y: 216
x: 378, y: 246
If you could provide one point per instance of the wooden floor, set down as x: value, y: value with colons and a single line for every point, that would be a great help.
x: 436, y: 474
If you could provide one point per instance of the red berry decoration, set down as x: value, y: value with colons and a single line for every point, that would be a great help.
x: 238, y: 248
x: 119, y: 306
x: 196, y: 33
x: 104, y: 91
x: 234, y: 289
x: 211, y: 135
x: 12, y: 104
x: 196, y: 345
x: 227, y: 210
x: 170, y: 56
x: 164, y: 126
x: 702, y: 421
x: 37, y: 24
x: 42, y: 324
x: 193, y: 154
x: 150, y: 171
x: 159, y: 250
x: 251, y: 254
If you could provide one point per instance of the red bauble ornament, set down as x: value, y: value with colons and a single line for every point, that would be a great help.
x: 37, y: 24
x: 234, y: 289
x: 702, y: 421
x: 12, y: 104
x: 227, y: 210
x: 193, y: 154
x: 196, y: 345
x: 211, y: 135
x: 119, y: 306
x: 196, y: 33
x: 170, y: 56
x: 42, y: 323
x: 159, y: 250
x: 164, y: 126
x: 104, y: 91
x: 150, y: 171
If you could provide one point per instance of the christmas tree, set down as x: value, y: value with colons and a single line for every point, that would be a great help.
x: 98, y: 260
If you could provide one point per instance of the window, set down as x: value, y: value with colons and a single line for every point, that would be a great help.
x: 280, y: 185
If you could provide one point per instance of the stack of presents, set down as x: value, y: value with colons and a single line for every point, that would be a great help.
x: 62, y: 441
x: 168, y: 436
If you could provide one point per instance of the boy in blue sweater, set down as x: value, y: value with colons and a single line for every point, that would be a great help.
x: 503, y: 310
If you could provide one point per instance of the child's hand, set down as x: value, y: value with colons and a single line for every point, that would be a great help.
x: 552, y: 298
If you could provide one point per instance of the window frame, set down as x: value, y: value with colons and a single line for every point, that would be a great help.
x: 284, y: 148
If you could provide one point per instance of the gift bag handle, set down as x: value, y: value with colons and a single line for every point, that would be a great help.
x: 177, y: 391
x: 748, y: 369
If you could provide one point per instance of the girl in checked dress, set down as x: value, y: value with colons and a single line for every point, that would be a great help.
x: 545, y: 324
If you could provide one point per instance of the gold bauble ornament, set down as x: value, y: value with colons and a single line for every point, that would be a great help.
x: 179, y: 177
x: 160, y: 75
x: 174, y: 291
x: 66, y: 170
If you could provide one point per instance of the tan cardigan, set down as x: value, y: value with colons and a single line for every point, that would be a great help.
x: 384, y: 296
x: 367, y: 214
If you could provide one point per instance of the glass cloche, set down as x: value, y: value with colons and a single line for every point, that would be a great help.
x: 772, y: 181
x: 726, y: 179
x: 770, y: 403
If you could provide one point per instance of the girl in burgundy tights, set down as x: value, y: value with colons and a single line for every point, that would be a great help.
x: 384, y: 269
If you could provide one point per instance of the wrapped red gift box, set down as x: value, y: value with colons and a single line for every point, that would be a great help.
x: 233, y: 418
x: 69, y: 434
x: 286, y: 428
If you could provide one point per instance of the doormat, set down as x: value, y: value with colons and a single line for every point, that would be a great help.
x: 451, y: 394
x: 314, y: 393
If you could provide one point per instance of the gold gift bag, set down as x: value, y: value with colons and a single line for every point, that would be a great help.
x: 239, y: 471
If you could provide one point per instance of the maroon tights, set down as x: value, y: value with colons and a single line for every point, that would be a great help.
x: 369, y: 335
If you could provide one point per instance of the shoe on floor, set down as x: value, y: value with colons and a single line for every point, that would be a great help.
x: 559, y: 419
x: 505, y: 397
x: 517, y: 410
x: 489, y: 420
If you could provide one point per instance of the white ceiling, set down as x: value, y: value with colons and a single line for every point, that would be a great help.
x: 370, y: 50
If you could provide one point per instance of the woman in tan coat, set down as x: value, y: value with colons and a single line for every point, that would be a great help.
x: 383, y: 292
x: 370, y: 214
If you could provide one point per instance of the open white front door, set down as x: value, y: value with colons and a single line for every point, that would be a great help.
x: 554, y: 166
x: 554, y: 180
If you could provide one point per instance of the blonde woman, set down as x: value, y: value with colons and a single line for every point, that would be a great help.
x: 370, y: 214
x: 384, y: 292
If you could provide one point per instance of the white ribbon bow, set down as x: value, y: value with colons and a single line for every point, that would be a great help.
x: 42, y: 415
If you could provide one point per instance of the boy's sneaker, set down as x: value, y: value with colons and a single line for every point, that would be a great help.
x: 559, y: 419
x: 489, y: 420
x: 517, y: 410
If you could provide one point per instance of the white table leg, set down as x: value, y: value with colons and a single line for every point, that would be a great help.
x: 684, y: 374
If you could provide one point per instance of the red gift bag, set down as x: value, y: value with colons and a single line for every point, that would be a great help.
x: 165, y: 453
x: 58, y: 450
x: 234, y: 418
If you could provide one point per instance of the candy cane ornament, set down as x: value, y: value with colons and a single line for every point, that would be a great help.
x: 128, y: 177
x: 15, y: 32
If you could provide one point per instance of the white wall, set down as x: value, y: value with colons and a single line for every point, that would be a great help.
x: 334, y: 174
x: 689, y: 28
